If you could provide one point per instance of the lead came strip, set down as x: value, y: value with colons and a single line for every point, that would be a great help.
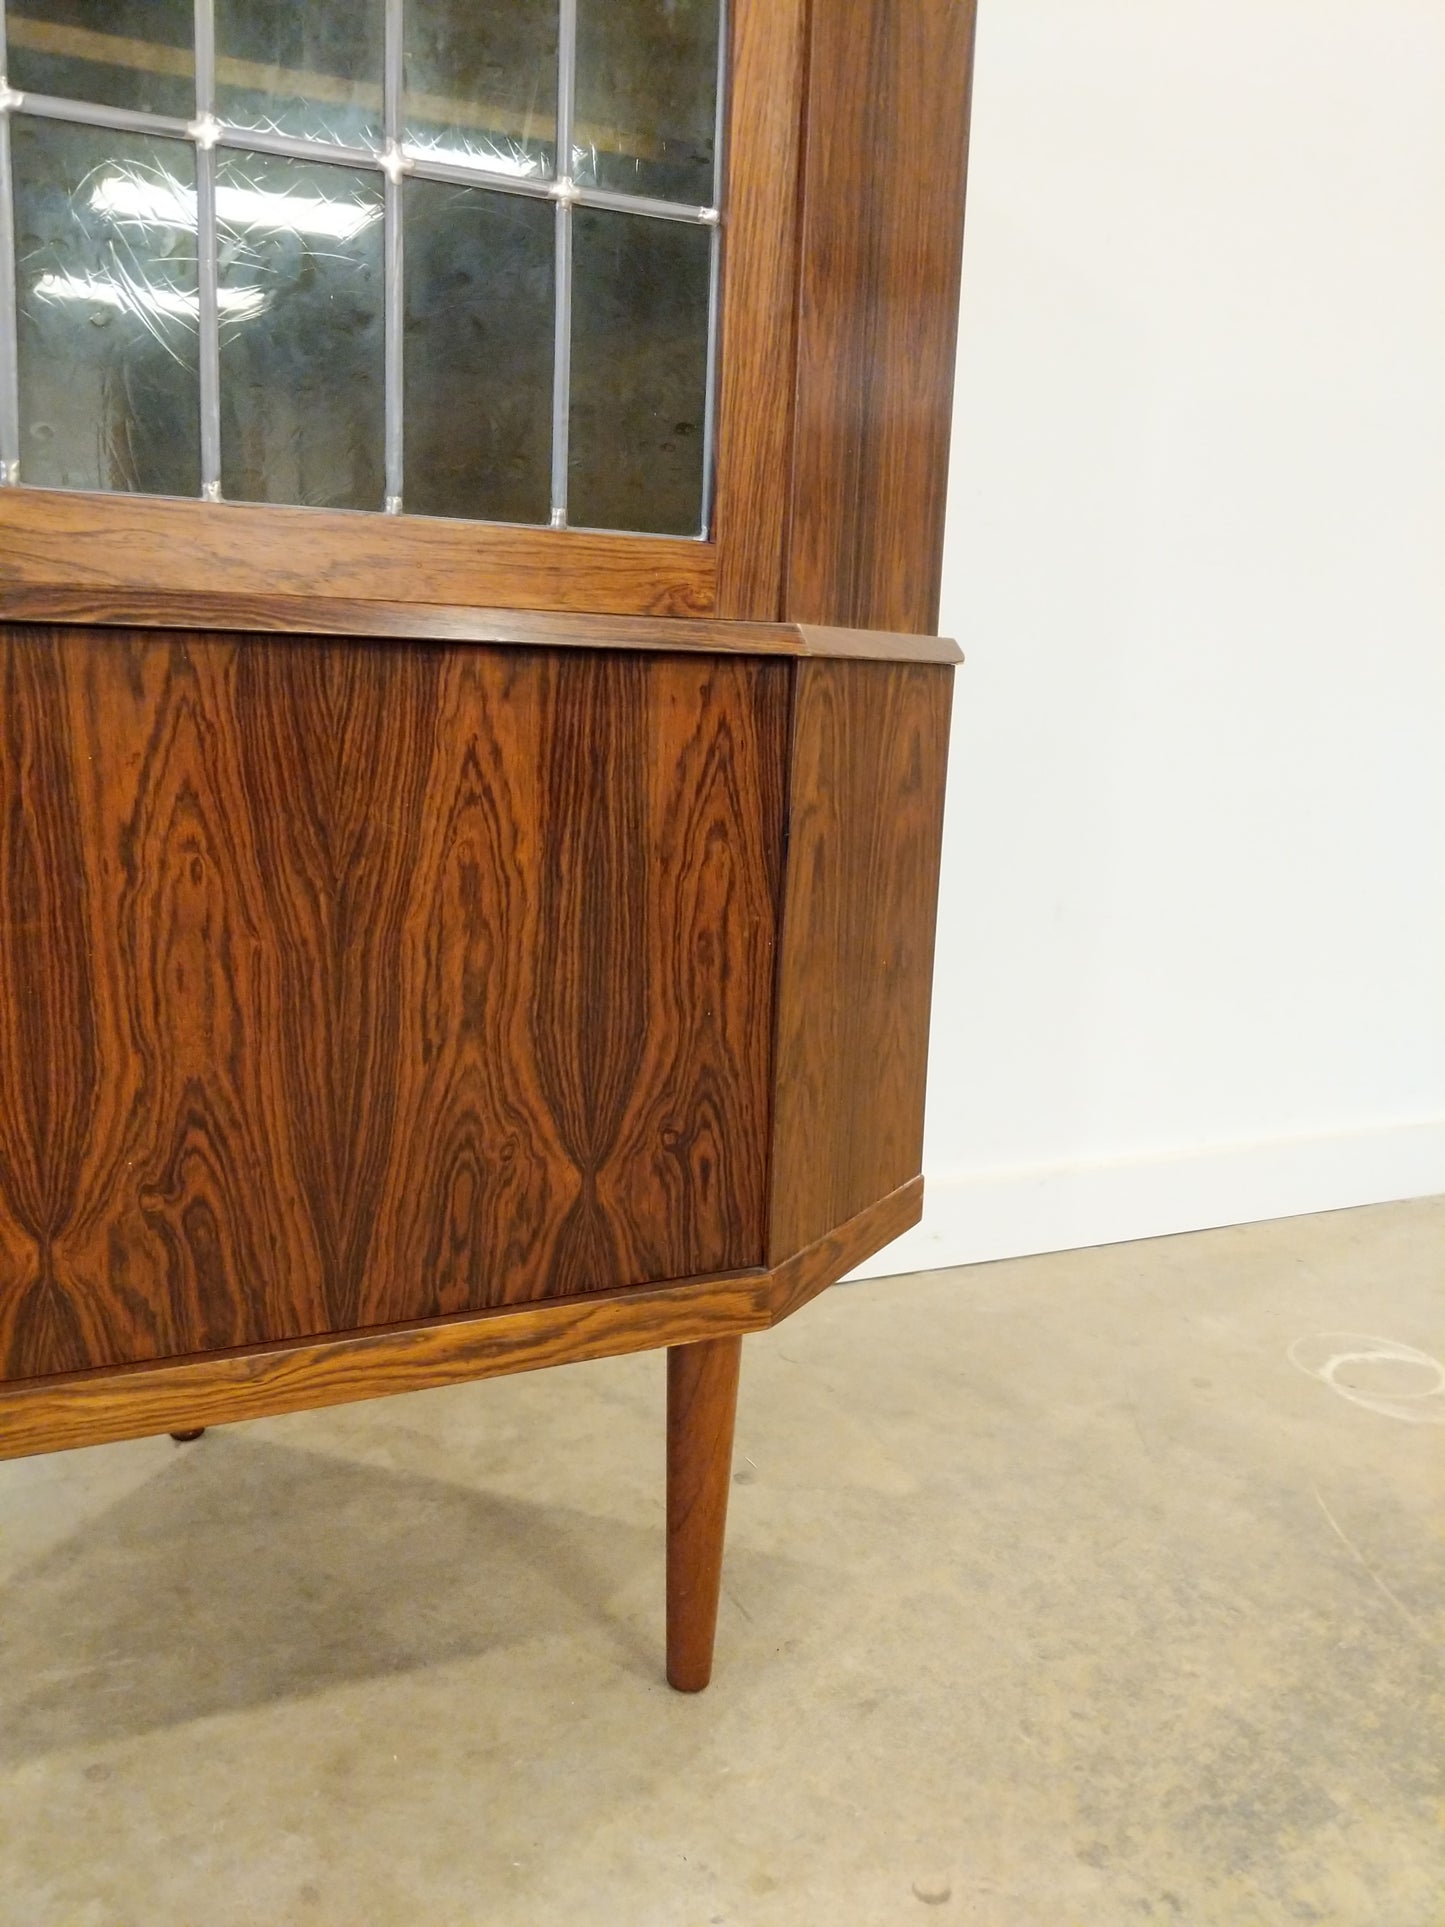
x: 207, y: 265
x: 426, y: 167
x: 9, y: 309
x: 121, y: 120
x: 393, y: 81
x: 714, y: 298
x: 566, y: 192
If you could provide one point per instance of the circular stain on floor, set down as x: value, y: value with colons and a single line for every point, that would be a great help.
x: 1381, y: 1374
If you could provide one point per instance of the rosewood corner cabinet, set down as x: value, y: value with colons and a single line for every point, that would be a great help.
x: 472, y: 729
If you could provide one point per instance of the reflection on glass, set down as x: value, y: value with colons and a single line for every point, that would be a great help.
x: 108, y: 311
x: 301, y: 332
x: 481, y: 82
x: 639, y: 372
x: 479, y: 334
x: 302, y: 67
x: 647, y: 74
x: 115, y: 53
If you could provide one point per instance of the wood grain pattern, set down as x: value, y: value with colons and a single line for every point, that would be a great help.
x: 882, y: 232
x: 702, y: 1402
x: 50, y: 1415
x: 96, y: 1407
x: 799, y: 1279
x: 54, y: 539
x: 760, y: 288
x: 341, y: 986
x: 50, y: 1049
x: 855, y: 973
x: 436, y: 622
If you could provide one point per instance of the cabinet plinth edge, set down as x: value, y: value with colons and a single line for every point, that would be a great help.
x: 136, y: 1401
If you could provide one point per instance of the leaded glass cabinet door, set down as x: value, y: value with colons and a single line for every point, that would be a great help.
x: 413, y: 257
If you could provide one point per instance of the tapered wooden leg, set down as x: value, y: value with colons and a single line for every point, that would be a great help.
x: 702, y: 1400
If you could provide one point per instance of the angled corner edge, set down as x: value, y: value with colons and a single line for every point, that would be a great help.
x: 802, y: 1277
x: 877, y: 645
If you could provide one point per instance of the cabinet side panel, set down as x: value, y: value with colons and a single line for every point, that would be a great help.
x: 760, y: 287
x: 345, y: 984
x: 882, y: 235
x: 869, y: 762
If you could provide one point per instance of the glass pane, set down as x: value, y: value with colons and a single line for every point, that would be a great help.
x: 301, y: 332
x: 639, y: 372
x: 646, y: 118
x: 303, y: 67
x: 481, y: 82
x: 479, y: 336
x: 115, y: 53
x: 106, y: 270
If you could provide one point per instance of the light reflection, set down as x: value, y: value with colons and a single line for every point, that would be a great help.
x: 519, y: 165
x: 165, y: 204
x: 129, y: 297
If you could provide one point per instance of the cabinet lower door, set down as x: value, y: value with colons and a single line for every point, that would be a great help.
x: 346, y: 983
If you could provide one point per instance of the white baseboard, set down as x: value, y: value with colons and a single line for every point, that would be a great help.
x: 970, y: 1217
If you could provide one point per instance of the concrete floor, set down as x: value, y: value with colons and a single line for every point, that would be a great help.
x: 1057, y: 1596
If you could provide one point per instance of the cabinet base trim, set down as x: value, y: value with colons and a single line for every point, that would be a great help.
x: 216, y: 1388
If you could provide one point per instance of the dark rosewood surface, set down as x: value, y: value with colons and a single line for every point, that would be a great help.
x: 869, y: 759
x: 882, y: 240
x: 346, y: 984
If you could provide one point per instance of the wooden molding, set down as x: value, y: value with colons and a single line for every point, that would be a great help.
x: 875, y: 645
x: 98, y: 1407
x: 313, y: 615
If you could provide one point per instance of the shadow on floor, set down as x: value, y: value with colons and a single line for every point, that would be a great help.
x: 250, y: 1572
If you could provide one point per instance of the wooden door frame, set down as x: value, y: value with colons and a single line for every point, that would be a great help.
x: 96, y: 542
x: 846, y: 154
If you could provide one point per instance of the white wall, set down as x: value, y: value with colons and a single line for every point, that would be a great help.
x: 1192, y: 946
